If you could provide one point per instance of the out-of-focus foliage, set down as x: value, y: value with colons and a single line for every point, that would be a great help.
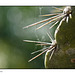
x: 14, y: 52
x: 65, y: 56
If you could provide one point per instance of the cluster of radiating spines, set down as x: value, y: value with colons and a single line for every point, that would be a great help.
x: 57, y: 18
x: 51, y: 47
x: 68, y: 11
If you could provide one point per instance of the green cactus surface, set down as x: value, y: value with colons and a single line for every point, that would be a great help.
x: 64, y: 57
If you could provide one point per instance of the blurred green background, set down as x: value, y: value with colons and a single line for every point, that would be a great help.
x: 14, y: 52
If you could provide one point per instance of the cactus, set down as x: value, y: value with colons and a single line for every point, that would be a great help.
x: 64, y: 57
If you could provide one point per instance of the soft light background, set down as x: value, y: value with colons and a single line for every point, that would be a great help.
x: 14, y: 52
